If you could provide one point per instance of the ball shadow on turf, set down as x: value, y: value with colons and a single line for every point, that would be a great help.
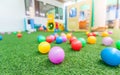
x: 100, y: 62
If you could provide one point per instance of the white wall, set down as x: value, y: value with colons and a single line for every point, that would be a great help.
x: 43, y: 21
x: 100, y: 12
x: 11, y: 15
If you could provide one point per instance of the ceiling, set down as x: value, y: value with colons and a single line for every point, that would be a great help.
x: 63, y: 1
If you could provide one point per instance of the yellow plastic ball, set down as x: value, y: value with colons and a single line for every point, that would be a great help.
x: 87, y: 33
x: 69, y: 35
x: 104, y: 34
x: 44, y: 47
x: 91, y: 40
x: 19, y: 31
x: 63, y: 34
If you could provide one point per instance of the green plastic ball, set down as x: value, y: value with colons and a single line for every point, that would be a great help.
x: 83, y: 41
x: 41, y: 38
x: 97, y: 33
x: 15, y: 33
x: 118, y: 44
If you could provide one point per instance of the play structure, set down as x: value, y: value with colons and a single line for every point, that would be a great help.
x: 79, y: 16
x: 52, y: 25
x: 51, y: 22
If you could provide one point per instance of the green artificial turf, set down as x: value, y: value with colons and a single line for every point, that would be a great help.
x: 21, y: 57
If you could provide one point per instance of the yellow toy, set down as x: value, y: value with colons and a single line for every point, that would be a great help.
x: 104, y: 34
x: 44, y: 47
x: 91, y: 40
x: 51, y: 22
x: 61, y: 27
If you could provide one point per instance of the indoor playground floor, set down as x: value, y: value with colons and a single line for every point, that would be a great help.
x: 20, y: 56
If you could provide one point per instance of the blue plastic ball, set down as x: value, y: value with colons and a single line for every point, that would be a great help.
x: 111, y: 56
x: 1, y: 38
x: 59, y: 40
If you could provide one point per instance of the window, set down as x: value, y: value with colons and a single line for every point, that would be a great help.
x: 42, y: 9
x: 28, y: 4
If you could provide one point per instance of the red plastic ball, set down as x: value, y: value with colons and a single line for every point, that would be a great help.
x: 72, y: 39
x: 94, y: 34
x: 90, y: 34
x: 49, y: 39
x: 19, y: 35
x: 76, y: 45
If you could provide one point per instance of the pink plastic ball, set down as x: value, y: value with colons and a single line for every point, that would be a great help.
x: 110, y: 32
x: 56, y: 55
x: 2, y: 33
x: 107, y: 41
x: 53, y: 37
x: 63, y: 34
x: 64, y: 38
x: 9, y: 33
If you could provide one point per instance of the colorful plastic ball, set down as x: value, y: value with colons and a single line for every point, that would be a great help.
x: 2, y: 33
x: 91, y: 40
x: 59, y: 40
x: 104, y: 34
x: 41, y: 38
x: 9, y: 33
x: 63, y: 34
x: 111, y: 56
x: 19, y: 35
x: 110, y: 32
x: 94, y: 34
x: 41, y: 28
x: 15, y: 33
x: 1, y: 37
x: 118, y: 44
x: 19, y: 32
x: 56, y: 55
x: 44, y: 47
x: 87, y: 32
x: 53, y: 37
x: 64, y: 38
x: 97, y: 33
x: 76, y: 45
x: 90, y: 34
x: 83, y: 41
x: 49, y: 39
x: 56, y: 35
x: 72, y: 39
x: 69, y: 35
x: 107, y: 41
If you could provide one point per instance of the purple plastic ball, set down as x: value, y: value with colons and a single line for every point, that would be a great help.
x: 110, y: 32
x: 64, y: 38
x: 107, y: 41
x: 2, y: 33
x: 56, y: 55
